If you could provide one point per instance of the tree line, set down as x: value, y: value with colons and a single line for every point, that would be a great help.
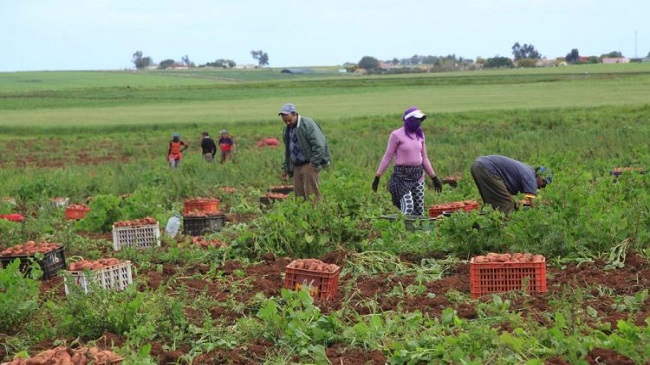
x: 142, y: 62
x: 525, y: 55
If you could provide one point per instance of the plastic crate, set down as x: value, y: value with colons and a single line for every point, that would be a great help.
x: 144, y: 236
x: 439, y: 209
x: 501, y: 277
x: 60, y: 202
x: 51, y: 263
x: 116, y: 277
x: 320, y: 285
x: 201, y: 205
x: 281, y: 189
x: 76, y: 213
x: 198, y: 226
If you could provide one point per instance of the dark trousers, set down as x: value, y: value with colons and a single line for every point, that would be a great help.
x: 492, y: 189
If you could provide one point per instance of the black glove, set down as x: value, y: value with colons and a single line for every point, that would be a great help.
x: 437, y: 184
x: 375, y: 184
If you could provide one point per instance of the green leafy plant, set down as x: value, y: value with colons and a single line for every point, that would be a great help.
x: 104, y: 211
x: 19, y: 296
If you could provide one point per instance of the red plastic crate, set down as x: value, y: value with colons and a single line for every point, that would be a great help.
x: 202, y: 205
x: 501, y: 277
x: 465, y: 205
x: 76, y: 212
x: 320, y: 285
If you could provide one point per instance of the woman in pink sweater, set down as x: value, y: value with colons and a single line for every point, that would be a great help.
x: 406, y: 146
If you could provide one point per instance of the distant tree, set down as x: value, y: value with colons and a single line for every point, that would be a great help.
x: 395, y: 61
x: 223, y: 63
x: 186, y: 61
x: 261, y: 57
x: 573, y: 57
x: 368, y: 63
x: 166, y: 64
x: 499, y: 62
x: 141, y: 62
x: 525, y: 51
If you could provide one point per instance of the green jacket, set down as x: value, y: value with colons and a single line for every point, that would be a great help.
x: 312, y: 141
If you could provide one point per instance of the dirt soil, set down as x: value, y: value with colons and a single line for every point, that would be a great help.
x: 267, y: 277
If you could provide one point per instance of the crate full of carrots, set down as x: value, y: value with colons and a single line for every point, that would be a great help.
x: 318, y: 278
x: 499, y: 273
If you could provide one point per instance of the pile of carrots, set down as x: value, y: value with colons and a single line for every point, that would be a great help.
x: 29, y: 248
x: 136, y: 222
x: 227, y: 189
x: 276, y: 196
x: 198, y: 214
x: 205, y: 242
x: 313, y: 264
x: 94, y: 264
x: 64, y: 355
x: 507, y: 257
x: 78, y: 207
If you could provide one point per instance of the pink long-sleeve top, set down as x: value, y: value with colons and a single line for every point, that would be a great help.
x: 406, y: 151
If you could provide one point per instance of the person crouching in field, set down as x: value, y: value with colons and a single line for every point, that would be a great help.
x: 226, y: 145
x: 499, y: 178
x: 208, y: 147
x: 175, y: 152
x: 406, y: 146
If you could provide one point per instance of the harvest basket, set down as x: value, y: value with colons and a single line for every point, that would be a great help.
x: 281, y: 189
x: 76, y: 212
x: 501, y: 277
x: 413, y: 222
x: 201, y: 205
x: 270, y: 198
x: 116, y: 277
x: 197, y: 226
x: 143, y: 236
x: 465, y: 205
x: 51, y: 262
x: 320, y: 285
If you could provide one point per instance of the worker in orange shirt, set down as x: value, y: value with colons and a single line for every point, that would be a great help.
x: 175, y: 152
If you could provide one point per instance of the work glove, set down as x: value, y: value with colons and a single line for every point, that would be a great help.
x: 437, y: 184
x: 375, y: 184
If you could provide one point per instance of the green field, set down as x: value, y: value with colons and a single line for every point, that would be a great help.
x: 100, y: 138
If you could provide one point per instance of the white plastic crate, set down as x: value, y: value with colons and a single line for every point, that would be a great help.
x: 136, y: 236
x: 116, y: 277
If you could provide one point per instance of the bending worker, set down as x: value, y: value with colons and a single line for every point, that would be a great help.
x: 499, y: 178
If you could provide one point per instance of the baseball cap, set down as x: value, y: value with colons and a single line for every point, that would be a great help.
x: 287, y: 108
x: 413, y: 113
x: 545, y: 174
x: 176, y: 135
x: 223, y: 131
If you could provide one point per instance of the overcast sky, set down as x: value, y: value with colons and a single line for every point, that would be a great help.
x: 104, y: 34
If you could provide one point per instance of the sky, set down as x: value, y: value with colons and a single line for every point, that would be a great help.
x: 54, y: 35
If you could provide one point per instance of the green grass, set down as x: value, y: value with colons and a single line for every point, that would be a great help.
x: 100, y: 99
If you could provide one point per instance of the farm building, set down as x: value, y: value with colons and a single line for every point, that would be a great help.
x: 613, y: 60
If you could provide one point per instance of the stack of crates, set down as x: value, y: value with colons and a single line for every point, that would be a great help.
x: 202, y: 216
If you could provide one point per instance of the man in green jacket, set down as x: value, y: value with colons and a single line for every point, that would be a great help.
x: 306, y: 152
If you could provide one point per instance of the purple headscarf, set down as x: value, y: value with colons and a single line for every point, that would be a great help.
x: 412, y: 118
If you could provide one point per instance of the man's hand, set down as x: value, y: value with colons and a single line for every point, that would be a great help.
x: 375, y: 184
x: 283, y: 175
x: 437, y: 184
